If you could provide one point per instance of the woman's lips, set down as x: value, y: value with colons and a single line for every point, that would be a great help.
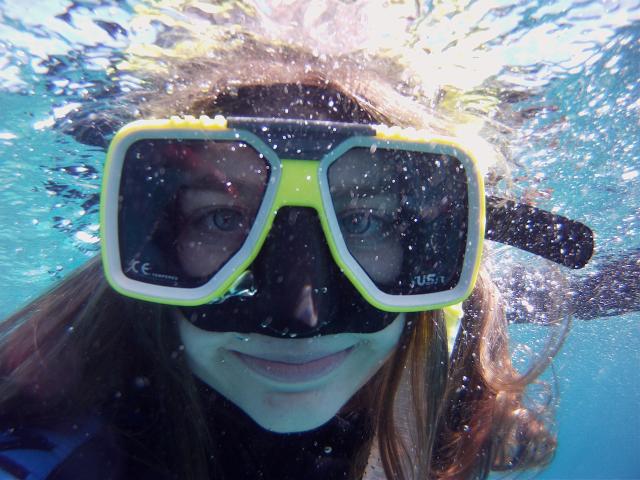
x: 293, y: 371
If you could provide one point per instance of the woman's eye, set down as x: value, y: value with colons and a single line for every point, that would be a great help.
x: 360, y: 223
x: 219, y: 220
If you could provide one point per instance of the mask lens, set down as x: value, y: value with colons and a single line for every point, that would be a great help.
x: 403, y: 216
x: 186, y: 207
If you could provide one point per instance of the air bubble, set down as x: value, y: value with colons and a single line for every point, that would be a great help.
x: 141, y: 382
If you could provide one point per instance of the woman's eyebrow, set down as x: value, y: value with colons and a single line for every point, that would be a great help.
x: 343, y: 201
x: 229, y: 185
x: 373, y: 184
x: 357, y: 191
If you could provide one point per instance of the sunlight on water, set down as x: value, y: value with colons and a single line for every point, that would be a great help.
x: 581, y: 100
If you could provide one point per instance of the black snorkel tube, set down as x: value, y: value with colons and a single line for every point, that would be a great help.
x: 554, y: 237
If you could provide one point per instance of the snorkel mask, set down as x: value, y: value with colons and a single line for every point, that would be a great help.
x: 199, y: 213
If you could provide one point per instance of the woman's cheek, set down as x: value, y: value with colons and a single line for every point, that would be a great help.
x: 198, y: 259
x: 383, y: 263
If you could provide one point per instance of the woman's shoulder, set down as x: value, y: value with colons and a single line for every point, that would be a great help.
x: 82, y: 448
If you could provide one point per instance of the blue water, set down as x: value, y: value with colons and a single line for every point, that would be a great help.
x: 581, y: 62
x: 598, y: 416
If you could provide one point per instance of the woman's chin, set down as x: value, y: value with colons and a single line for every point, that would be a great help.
x: 294, y: 412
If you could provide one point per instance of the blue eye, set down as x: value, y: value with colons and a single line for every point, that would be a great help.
x: 361, y: 223
x: 219, y: 220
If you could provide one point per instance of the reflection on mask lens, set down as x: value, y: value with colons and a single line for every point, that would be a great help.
x: 186, y: 207
x: 403, y: 216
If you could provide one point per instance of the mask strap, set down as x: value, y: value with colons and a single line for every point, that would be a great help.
x: 453, y: 318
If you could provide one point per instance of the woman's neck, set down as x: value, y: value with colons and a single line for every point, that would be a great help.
x: 246, y: 450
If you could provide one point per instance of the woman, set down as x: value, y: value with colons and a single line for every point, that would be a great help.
x: 97, y: 384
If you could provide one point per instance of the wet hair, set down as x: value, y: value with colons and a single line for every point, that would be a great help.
x: 82, y: 347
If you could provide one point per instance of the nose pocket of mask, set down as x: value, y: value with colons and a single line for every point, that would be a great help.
x: 293, y: 288
x: 295, y: 265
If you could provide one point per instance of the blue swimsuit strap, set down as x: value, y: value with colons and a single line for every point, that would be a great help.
x: 33, y: 453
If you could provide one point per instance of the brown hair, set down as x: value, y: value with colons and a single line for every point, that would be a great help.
x: 433, y: 417
x: 462, y: 418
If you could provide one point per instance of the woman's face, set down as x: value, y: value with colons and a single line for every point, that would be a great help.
x: 288, y: 384
x: 295, y: 358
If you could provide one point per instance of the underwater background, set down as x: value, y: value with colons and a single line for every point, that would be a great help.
x: 575, y: 63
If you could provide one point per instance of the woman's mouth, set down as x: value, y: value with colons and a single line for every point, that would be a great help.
x: 291, y: 370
